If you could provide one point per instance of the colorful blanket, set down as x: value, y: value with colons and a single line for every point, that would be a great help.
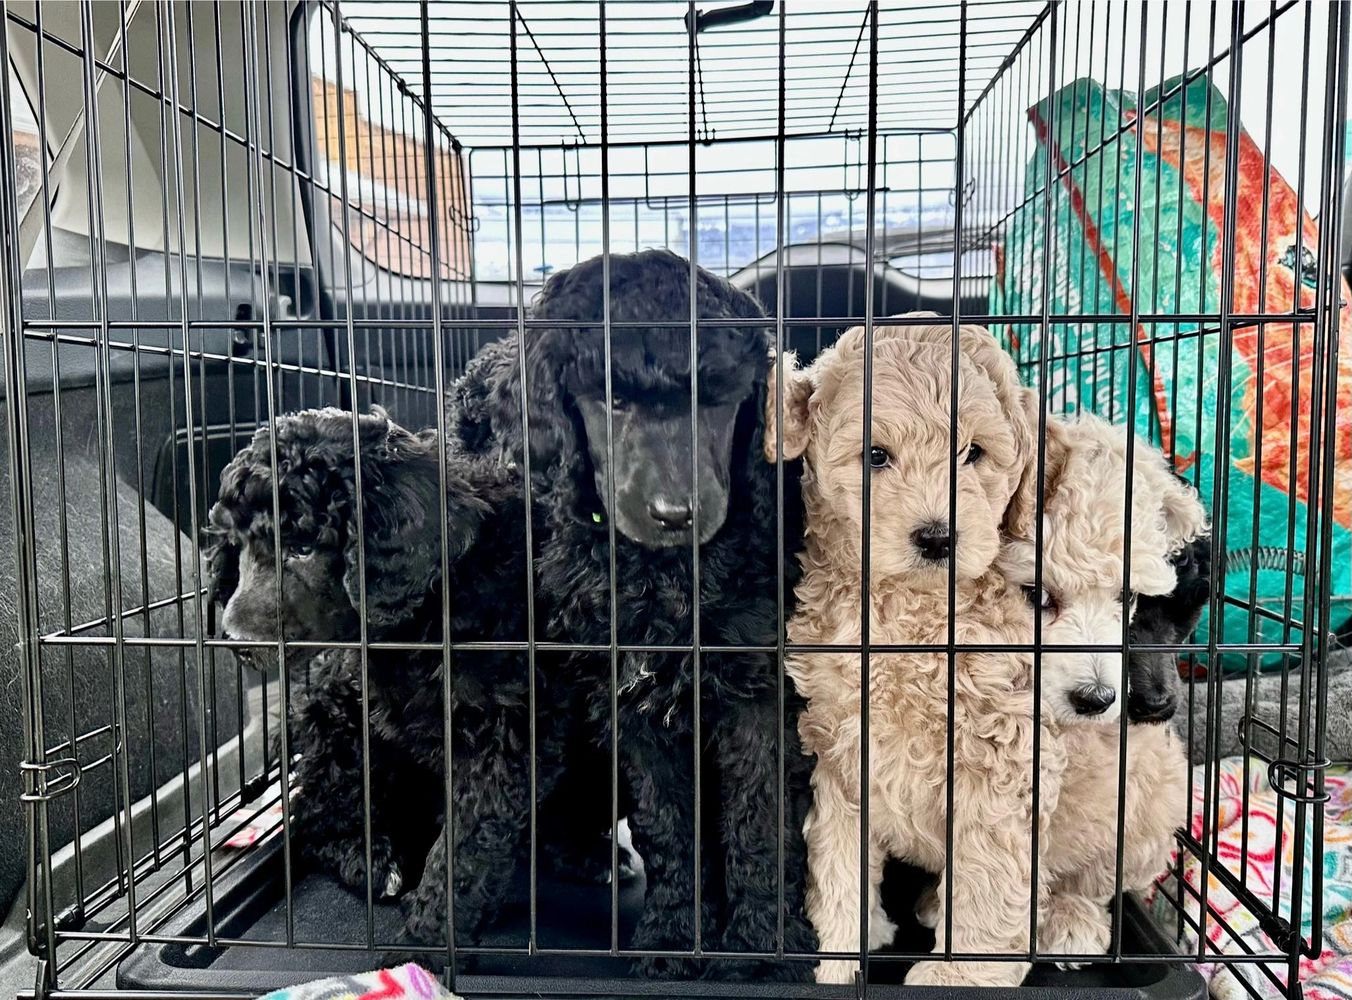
x: 405, y: 982
x: 1328, y: 977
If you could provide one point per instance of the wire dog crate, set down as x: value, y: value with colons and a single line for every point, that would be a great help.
x: 216, y: 214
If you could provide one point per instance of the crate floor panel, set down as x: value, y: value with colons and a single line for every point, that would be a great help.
x: 249, y: 903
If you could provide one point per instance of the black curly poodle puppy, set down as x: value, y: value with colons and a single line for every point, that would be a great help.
x: 685, y: 484
x: 320, y: 596
x: 1154, y: 684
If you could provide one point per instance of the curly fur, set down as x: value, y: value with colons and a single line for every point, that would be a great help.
x: 1155, y: 687
x: 739, y: 720
x: 1084, y: 543
x: 908, y: 694
x: 1084, y: 546
x: 317, y: 492
x: 316, y: 486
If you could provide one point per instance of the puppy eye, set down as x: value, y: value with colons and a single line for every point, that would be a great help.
x: 879, y: 458
x: 974, y: 453
x: 618, y: 404
x: 1042, y: 600
x: 300, y: 550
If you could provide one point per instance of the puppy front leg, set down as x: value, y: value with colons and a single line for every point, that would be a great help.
x: 1074, y: 921
x: 328, y: 811
x: 491, y: 804
x: 927, y: 906
x: 661, y: 776
x: 745, y: 741
x: 991, y: 874
x: 832, y: 834
x: 1077, y: 919
x: 575, y: 801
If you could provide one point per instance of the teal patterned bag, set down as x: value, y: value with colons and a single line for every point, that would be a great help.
x: 1167, y: 378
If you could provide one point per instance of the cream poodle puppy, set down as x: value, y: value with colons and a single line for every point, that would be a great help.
x: 994, y: 717
x: 912, y: 543
x: 1084, y: 538
x: 1084, y: 541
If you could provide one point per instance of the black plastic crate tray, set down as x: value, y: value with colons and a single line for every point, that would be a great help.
x: 249, y: 903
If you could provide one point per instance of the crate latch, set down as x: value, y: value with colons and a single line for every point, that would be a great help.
x: 67, y: 778
x: 1283, y: 770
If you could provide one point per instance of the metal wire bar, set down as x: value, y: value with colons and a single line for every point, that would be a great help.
x: 112, y: 532
x: 781, y: 214
x: 199, y: 637
x: 505, y: 645
x: 607, y: 327
x: 866, y: 515
x: 1249, y: 675
x: 359, y: 519
x: 697, y: 704
x: 1039, y: 566
x: 777, y: 112
x: 1328, y: 303
x: 1336, y: 107
x: 40, y: 329
x: 284, y: 688
x: 439, y: 374
x: 59, y: 430
x: 40, y: 925
x: 1129, y: 484
x: 523, y: 371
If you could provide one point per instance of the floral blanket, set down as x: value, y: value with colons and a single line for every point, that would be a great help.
x: 1324, y: 978
x: 404, y: 982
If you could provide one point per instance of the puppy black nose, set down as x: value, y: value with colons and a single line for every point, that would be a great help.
x: 1092, y: 699
x: 1150, y: 707
x: 934, y: 541
x: 672, y: 515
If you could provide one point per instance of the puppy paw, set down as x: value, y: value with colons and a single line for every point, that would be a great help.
x: 931, y: 973
x: 881, y: 930
x: 1074, y: 925
x: 668, y: 968
x: 758, y: 971
x: 590, y: 864
x: 406, y: 949
x: 394, y: 882
x: 839, y: 972
x: 429, y: 961
x: 387, y: 880
x: 927, y: 907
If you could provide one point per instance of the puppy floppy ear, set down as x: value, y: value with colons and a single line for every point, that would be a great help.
x: 486, y: 404
x: 797, y: 395
x: 401, y: 519
x: 222, y: 557
x: 232, y: 510
x: 980, y: 345
x: 1151, y: 575
x: 1185, y: 519
x: 1021, y: 515
x: 1168, y: 517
